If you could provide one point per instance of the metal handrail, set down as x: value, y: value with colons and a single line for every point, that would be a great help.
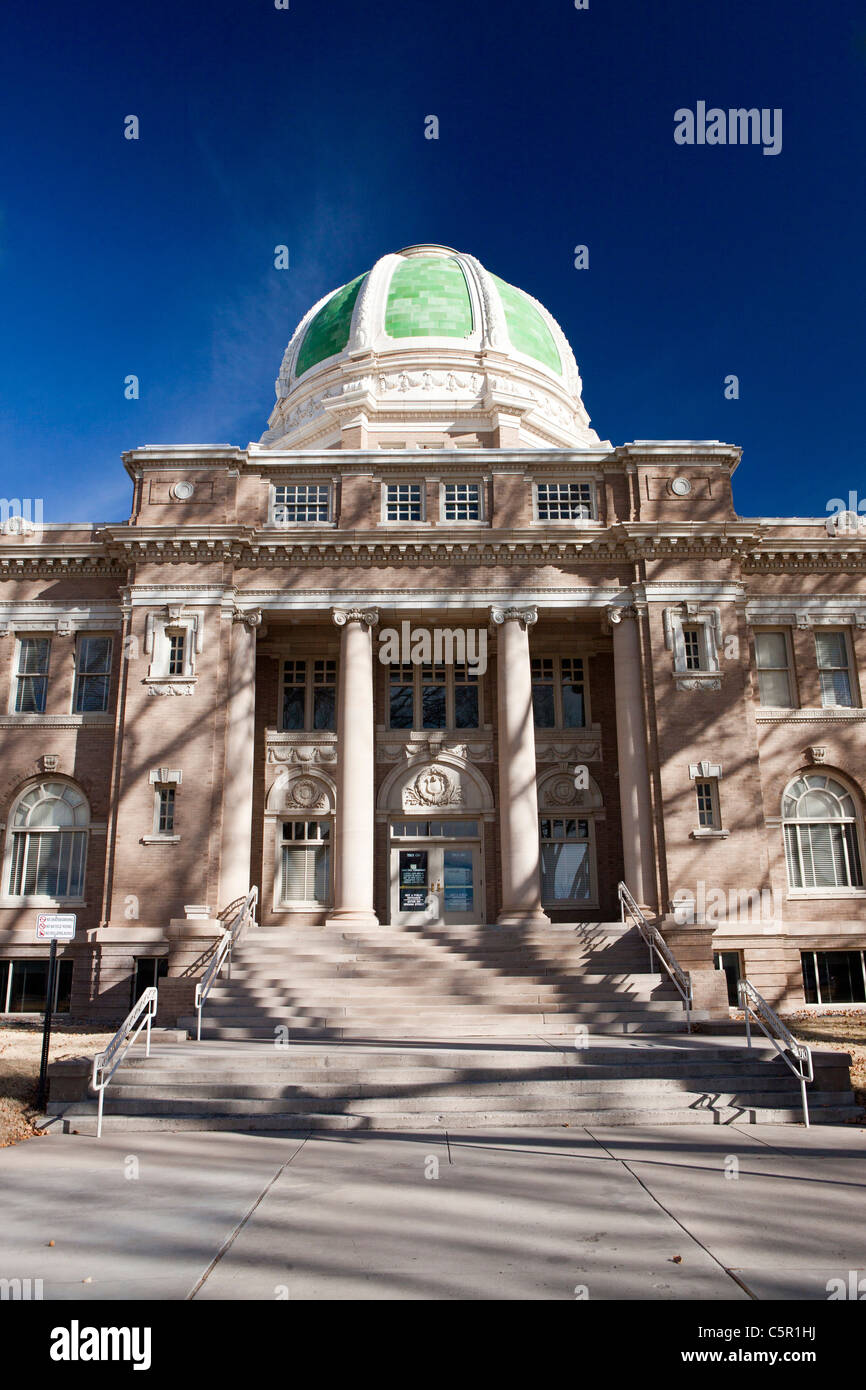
x: 244, y: 915
x: 105, y: 1063
x: 751, y: 1002
x: 657, y: 946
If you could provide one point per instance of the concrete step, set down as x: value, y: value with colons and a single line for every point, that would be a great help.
x: 553, y: 1028
x: 415, y: 1086
x: 264, y: 989
x: 825, y: 1109
x: 248, y: 1060
x: 397, y: 1106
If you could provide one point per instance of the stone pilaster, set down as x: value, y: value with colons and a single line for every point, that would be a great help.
x: 634, y: 787
x: 354, y: 838
x: 240, y: 750
x: 518, y: 797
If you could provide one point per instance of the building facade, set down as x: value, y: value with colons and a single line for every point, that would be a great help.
x: 431, y: 652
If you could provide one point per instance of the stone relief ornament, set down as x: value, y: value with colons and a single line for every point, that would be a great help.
x: 307, y: 794
x: 296, y: 754
x: 433, y: 787
x: 170, y: 687
x: 562, y: 792
x: 816, y: 754
x: 696, y: 683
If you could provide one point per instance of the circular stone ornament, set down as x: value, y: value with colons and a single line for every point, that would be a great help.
x: 182, y: 492
x: 681, y: 487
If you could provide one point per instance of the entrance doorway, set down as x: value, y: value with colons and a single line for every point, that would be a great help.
x: 436, y: 877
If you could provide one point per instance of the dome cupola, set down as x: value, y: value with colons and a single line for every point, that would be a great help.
x: 428, y: 343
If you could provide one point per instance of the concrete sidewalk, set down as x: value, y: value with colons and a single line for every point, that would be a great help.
x: 758, y: 1211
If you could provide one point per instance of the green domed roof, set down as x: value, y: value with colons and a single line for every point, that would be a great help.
x: 526, y: 328
x: 328, y: 332
x: 428, y: 292
x: 428, y: 298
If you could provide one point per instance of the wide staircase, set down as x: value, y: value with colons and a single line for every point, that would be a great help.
x: 429, y: 1028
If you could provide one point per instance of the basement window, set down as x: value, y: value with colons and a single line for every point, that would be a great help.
x: 24, y: 983
x: 834, y: 977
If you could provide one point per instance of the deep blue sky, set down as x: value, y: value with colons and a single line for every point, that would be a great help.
x: 305, y: 127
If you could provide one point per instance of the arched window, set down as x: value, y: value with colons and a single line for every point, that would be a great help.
x: 821, y: 834
x: 49, y: 842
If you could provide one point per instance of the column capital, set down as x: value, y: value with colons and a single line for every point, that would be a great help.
x: 251, y: 617
x: 525, y: 616
x: 341, y: 616
x: 618, y: 611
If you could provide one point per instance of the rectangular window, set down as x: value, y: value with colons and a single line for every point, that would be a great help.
x: 834, y: 977
x: 543, y: 692
x: 306, y: 862
x: 324, y: 694
x: 92, y: 675
x: 708, y: 814
x: 565, y: 861
x: 774, y: 671
x: 401, y: 697
x: 424, y: 829
x: 301, y: 504
x: 731, y: 962
x: 833, y: 670
x: 461, y: 502
x: 823, y: 855
x: 466, y: 711
x: 692, y: 648
x: 148, y: 972
x: 564, y: 501
x: 176, y: 653
x: 444, y: 696
x: 24, y: 986
x: 404, y: 502
x: 294, y: 694
x: 434, y: 712
x: 165, y: 811
x: 558, y: 692
x: 48, y: 863
x: 571, y: 686
x: 31, y: 687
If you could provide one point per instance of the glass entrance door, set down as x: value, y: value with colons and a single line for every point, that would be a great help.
x: 436, y: 876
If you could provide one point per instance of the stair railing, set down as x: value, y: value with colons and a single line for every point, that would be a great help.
x: 105, y: 1063
x: 244, y: 916
x: 657, y: 947
x: 797, y: 1056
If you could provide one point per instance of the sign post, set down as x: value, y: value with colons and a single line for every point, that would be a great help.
x: 53, y: 927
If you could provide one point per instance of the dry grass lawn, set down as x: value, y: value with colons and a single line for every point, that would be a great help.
x: 20, y: 1052
x: 840, y: 1032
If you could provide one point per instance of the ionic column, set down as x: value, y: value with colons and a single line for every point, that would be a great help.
x: 634, y: 785
x: 518, y: 797
x: 354, y: 839
x: 237, y: 830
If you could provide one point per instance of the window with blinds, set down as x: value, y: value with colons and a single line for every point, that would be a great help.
x: 774, y: 669
x: 305, y: 870
x: 822, y: 834
x: 833, y: 669
x: 565, y: 861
